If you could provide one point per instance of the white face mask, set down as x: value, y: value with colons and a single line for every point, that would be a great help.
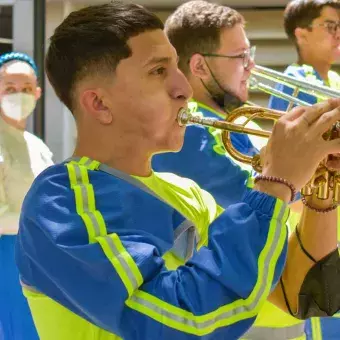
x: 18, y: 106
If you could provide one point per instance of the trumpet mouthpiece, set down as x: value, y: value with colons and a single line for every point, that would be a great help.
x: 183, y: 117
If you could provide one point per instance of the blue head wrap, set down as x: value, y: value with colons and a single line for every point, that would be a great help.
x: 7, y: 57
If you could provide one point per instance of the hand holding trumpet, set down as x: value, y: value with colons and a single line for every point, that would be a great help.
x: 297, y: 146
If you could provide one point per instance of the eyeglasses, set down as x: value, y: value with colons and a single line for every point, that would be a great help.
x: 331, y: 26
x: 247, y: 56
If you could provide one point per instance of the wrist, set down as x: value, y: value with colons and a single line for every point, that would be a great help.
x: 319, y: 205
x: 275, y: 189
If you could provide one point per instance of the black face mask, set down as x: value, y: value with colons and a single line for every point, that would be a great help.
x: 224, y: 99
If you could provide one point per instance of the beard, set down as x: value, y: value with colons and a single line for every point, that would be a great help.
x: 222, y: 96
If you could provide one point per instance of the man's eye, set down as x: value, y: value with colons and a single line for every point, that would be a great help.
x: 27, y: 90
x: 10, y: 90
x: 159, y: 71
x: 242, y: 55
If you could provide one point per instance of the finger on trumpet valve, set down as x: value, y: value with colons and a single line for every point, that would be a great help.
x: 307, y: 190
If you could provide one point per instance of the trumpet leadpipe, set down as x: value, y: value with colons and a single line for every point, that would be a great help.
x: 185, y: 118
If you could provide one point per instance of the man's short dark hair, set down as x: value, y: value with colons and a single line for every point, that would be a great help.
x: 93, y: 40
x: 195, y: 27
x: 301, y: 13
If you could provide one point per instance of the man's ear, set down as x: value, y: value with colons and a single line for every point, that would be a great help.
x: 92, y: 101
x: 300, y: 35
x: 198, y: 66
x: 37, y: 93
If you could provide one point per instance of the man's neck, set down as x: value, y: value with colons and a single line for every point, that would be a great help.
x: 208, y: 101
x: 19, y: 125
x: 319, y: 66
x: 128, y: 158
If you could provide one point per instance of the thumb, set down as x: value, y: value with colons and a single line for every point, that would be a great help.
x: 332, y: 147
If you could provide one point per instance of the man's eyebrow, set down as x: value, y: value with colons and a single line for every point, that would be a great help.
x: 157, y: 60
x: 330, y: 21
x: 13, y: 83
x: 240, y: 50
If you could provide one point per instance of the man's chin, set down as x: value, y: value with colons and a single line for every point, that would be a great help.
x: 244, y: 95
x: 336, y: 56
x: 173, y: 147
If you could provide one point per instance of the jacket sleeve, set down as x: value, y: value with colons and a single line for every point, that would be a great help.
x: 119, y: 282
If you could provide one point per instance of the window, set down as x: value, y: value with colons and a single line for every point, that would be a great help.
x: 6, y: 30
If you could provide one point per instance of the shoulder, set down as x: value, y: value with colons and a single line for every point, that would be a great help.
x: 334, y: 75
x: 38, y: 145
x: 31, y: 138
x: 62, y: 199
x: 192, y: 194
x: 334, y: 79
x: 49, y: 213
x: 51, y: 183
x: 178, y: 183
x: 297, y: 71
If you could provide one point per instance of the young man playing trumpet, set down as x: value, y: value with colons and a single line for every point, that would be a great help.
x: 101, y: 235
x: 215, y: 55
x: 314, y: 28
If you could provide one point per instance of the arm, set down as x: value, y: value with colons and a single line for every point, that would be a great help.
x: 122, y: 276
x: 303, y: 284
x: 318, y: 235
x: 219, y: 288
x: 203, y: 159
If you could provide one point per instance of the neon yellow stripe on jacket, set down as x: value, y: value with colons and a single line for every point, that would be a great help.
x: 85, y: 201
x: 229, y: 314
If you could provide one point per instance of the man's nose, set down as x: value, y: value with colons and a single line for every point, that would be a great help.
x: 182, y: 88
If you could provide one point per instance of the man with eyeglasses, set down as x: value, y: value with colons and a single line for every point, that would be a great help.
x: 216, y: 57
x: 314, y: 28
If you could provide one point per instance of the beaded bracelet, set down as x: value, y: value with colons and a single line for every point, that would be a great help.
x: 278, y: 180
x: 318, y: 210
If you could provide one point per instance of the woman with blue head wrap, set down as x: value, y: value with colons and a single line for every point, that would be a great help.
x: 22, y: 157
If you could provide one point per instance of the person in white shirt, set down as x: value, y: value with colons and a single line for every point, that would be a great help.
x: 22, y: 157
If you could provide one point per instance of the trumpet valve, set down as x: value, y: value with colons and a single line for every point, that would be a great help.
x: 336, y: 188
x: 256, y: 163
x: 307, y: 190
x: 322, y: 183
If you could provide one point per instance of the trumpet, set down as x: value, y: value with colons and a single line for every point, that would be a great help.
x: 325, y: 179
x: 260, y: 74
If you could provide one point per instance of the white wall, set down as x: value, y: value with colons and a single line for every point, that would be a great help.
x: 60, y: 127
x: 23, y: 32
